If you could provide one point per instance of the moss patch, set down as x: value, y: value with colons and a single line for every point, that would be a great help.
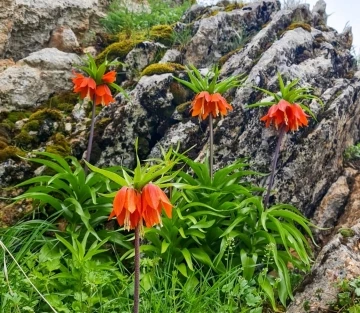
x: 162, y: 34
x: 64, y: 102
x: 227, y: 56
x: 304, y: 26
x: 181, y: 108
x: 17, y: 116
x: 121, y: 48
x: 60, y: 146
x: 43, y: 114
x: 32, y: 125
x: 234, y: 6
x: 162, y: 68
x: 10, y: 152
x: 24, y: 139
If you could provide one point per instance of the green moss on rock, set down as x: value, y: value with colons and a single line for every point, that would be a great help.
x: 162, y: 34
x: 63, y: 102
x: 10, y: 152
x: 227, y: 56
x: 181, y: 108
x: 17, y: 116
x: 59, y: 146
x: 234, y: 6
x: 3, y: 144
x: 304, y: 26
x: 24, y: 139
x: 31, y: 125
x: 43, y: 114
x: 162, y: 68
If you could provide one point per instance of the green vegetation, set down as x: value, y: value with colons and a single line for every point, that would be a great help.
x: 162, y: 34
x: 60, y: 146
x: 352, y: 153
x: 162, y: 68
x: 10, y: 152
x: 348, y: 299
x: 220, y: 252
x: 304, y: 26
x: 120, y: 18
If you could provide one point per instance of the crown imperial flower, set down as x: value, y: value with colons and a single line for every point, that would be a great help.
x: 208, y: 99
x: 284, y: 114
x: 95, y: 87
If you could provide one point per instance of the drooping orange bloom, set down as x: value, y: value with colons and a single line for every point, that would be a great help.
x: 85, y: 86
x: 153, y: 200
x: 103, y: 95
x: 109, y: 77
x: 292, y: 116
x: 206, y: 103
x: 127, y: 208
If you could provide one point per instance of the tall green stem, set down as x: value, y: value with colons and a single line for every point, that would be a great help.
x: 273, y: 166
x: 91, y: 137
x: 137, y: 270
x: 211, y: 131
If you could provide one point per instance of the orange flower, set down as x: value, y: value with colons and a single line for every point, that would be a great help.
x: 109, y: 77
x: 127, y: 208
x: 292, y: 116
x: 103, y: 95
x: 85, y: 86
x: 205, y: 104
x: 153, y: 199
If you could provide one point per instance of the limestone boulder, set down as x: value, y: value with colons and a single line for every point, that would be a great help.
x: 27, y: 26
x: 224, y: 32
x: 33, y: 79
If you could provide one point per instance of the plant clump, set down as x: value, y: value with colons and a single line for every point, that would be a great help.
x: 46, y: 113
x: 162, y: 34
x: 162, y: 68
x: 63, y: 102
x: 117, y: 50
x: 24, y: 139
x: 10, y: 152
x: 59, y: 146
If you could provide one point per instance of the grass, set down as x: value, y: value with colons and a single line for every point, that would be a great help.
x: 121, y: 18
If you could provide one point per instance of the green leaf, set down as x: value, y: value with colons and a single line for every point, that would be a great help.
x: 164, y: 246
x: 248, y: 264
x: 182, y: 269
x: 112, y: 176
x: 185, y: 252
x: 267, y: 288
x: 201, y: 256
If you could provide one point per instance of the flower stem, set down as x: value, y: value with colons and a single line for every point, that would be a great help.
x: 91, y: 137
x: 273, y: 166
x: 137, y: 270
x: 211, y: 131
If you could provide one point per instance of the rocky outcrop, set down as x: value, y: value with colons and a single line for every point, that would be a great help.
x: 146, y: 115
x: 338, y: 260
x: 257, y: 40
x: 26, y: 26
x: 33, y: 79
x: 216, y: 35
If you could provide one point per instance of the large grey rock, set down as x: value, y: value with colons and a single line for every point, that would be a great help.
x: 26, y: 25
x: 224, y: 32
x: 319, y: 13
x: 331, y: 207
x: 338, y: 260
x: 33, y: 79
x: 146, y: 116
x: 142, y: 55
x: 64, y: 39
